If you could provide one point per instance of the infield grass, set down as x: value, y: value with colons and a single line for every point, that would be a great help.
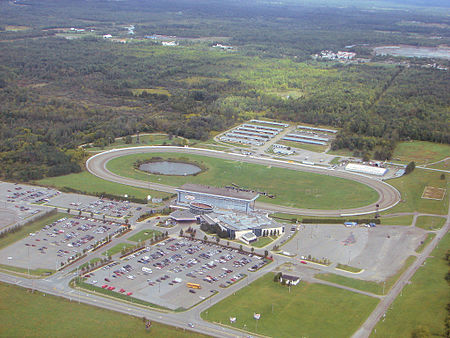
x: 26, y: 314
x: 311, y: 310
x: 290, y: 187
x: 423, y: 301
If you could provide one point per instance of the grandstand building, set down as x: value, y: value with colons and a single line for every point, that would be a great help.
x: 223, y: 198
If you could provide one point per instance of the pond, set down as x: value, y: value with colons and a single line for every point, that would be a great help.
x: 170, y: 168
x: 442, y: 52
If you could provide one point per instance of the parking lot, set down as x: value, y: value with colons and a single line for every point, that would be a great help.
x: 98, y: 206
x: 380, y: 251
x: 159, y: 274
x: 57, y: 242
x: 14, y: 193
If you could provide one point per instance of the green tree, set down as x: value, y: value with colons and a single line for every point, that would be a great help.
x: 410, y: 167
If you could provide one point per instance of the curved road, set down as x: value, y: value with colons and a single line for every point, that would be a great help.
x: 389, y: 196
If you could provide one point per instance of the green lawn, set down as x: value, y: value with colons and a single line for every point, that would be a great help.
x: 23, y: 271
x: 311, y: 147
x: 23, y: 314
x: 291, y: 188
x: 117, y: 248
x: 144, y: 235
x: 262, y: 241
x: 358, y: 284
x: 311, y: 310
x: 444, y: 165
x: 421, y: 152
x: 430, y: 222
x: 397, y: 220
x: 32, y: 227
x: 423, y: 301
x: 348, y: 268
x: 91, y: 184
x: 412, y: 186
x: 424, y: 244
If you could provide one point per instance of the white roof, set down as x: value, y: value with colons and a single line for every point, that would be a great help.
x: 249, y: 236
x: 366, y: 169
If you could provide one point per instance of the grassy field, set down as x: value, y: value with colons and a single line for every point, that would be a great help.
x: 421, y: 152
x: 291, y: 188
x: 430, y: 222
x: 444, y: 165
x: 32, y: 227
x: 397, y: 220
x: 341, y: 152
x: 423, y: 301
x: 41, y: 315
x: 311, y: 147
x: 412, y: 186
x: 117, y: 248
x: 159, y: 90
x: 143, y: 235
x: 91, y: 184
x: 311, y: 310
x: 424, y: 244
x: 262, y: 241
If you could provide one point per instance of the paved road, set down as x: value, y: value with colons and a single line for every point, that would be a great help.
x: 389, y: 196
x: 386, y: 302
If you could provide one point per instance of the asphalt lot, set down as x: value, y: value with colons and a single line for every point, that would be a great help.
x: 56, y: 242
x: 159, y: 274
x: 98, y: 206
x: 379, y: 251
x: 19, y: 202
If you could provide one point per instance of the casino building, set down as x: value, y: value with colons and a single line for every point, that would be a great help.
x: 223, y: 198
x: 231, y: 209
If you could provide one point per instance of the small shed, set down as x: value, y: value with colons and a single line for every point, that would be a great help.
x: 290, y: 280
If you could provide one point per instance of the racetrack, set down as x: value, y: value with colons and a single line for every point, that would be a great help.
x: 388, y: 195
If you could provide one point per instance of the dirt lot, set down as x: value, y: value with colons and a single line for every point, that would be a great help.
x: 433, y: 193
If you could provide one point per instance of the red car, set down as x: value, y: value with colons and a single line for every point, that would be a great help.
x: 129, y: 293
x: 104, y: 286
x: 303, y: 262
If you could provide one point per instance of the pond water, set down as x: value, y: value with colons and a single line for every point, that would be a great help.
x: 170, y: 168
x: 442, y: 52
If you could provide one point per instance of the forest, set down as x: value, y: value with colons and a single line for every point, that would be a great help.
x: 58, y: 91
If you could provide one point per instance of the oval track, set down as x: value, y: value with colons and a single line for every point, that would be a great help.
x: 388, y: 195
